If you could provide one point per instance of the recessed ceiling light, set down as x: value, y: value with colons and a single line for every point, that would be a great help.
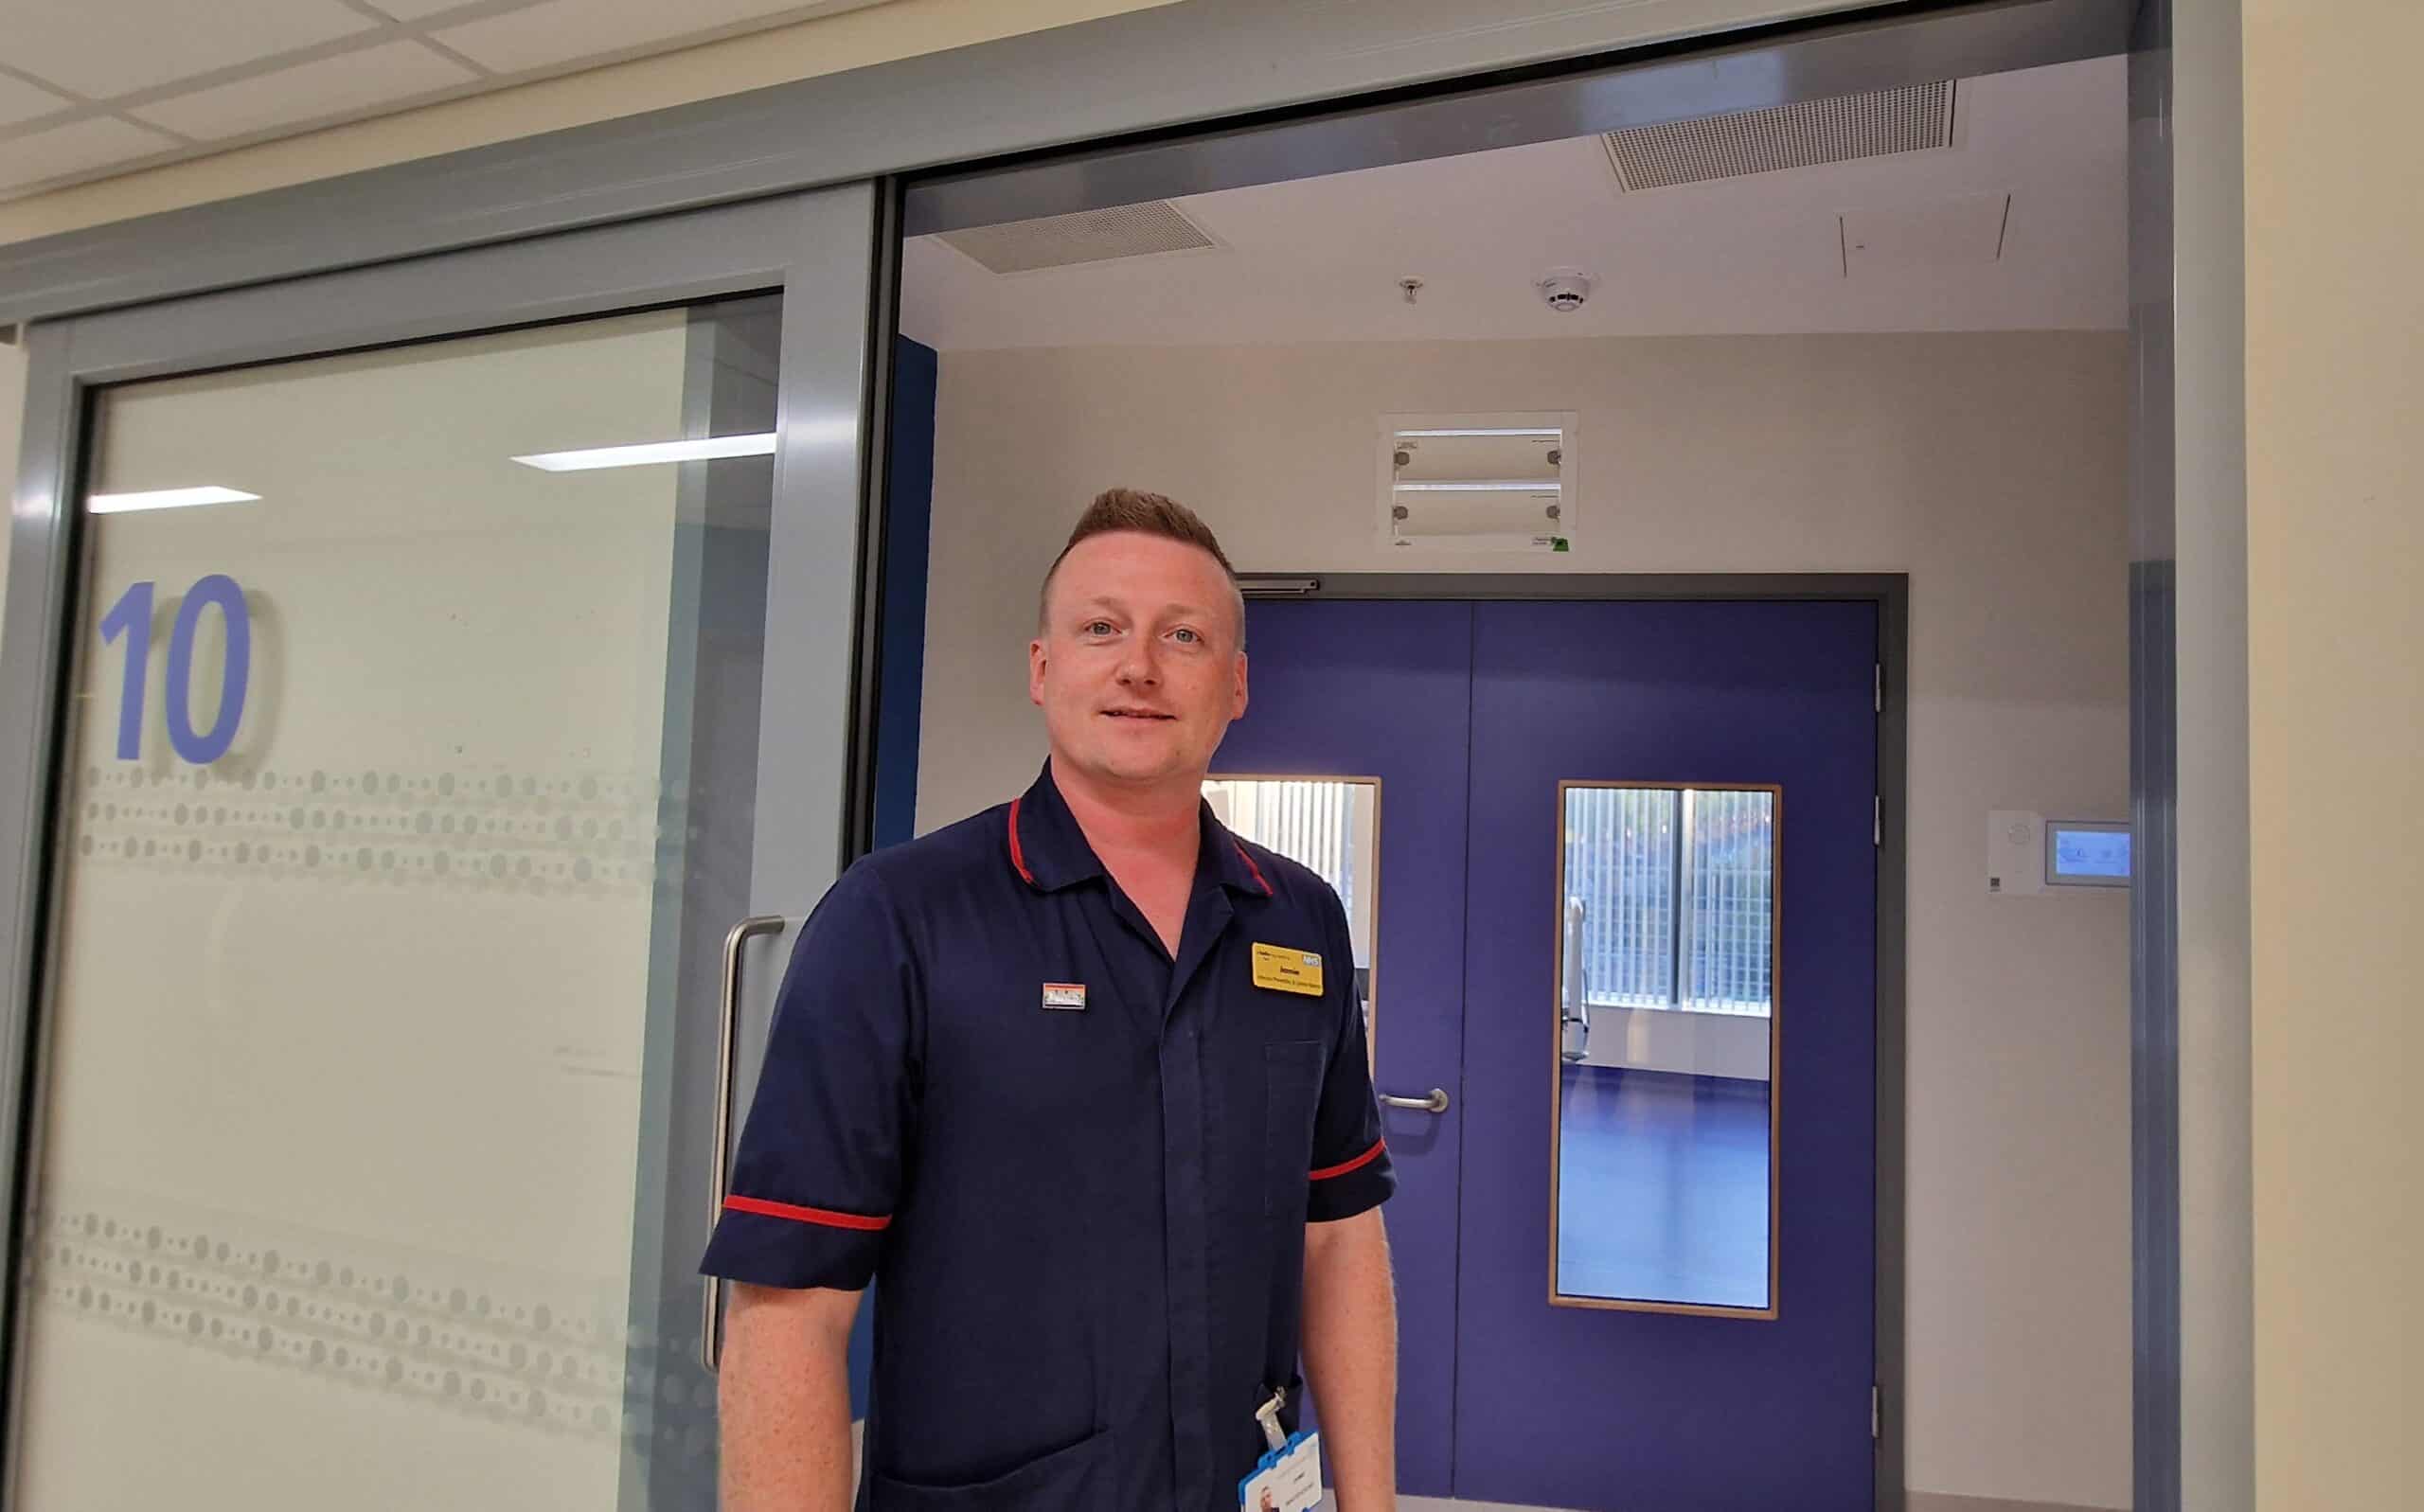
x: 1485, y: 430
x: 1543, y: 485
x: 165, y: 499
x: 704, y: 449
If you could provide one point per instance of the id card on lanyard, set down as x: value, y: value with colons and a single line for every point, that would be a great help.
x: 1287, y: 1479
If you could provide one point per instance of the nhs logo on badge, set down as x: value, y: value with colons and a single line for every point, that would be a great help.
x: 1065, y: 995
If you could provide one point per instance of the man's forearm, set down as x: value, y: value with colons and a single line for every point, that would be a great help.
x: 784, y: 1400
x: 1350, y: 1345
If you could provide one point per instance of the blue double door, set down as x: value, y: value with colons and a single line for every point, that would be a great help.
x: 1626, y: 919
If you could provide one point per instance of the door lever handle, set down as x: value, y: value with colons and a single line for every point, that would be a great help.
x: 1436, y: 1103
x: 720, y: 1158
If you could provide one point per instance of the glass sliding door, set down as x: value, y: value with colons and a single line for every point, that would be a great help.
x: 408, y: 787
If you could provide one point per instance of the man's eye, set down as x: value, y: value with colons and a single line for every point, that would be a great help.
x: 1099, y: 627
x: 1186, y: 635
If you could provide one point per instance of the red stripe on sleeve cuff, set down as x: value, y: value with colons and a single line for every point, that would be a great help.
x: 813, y: 1215
x: 1356, y: 1163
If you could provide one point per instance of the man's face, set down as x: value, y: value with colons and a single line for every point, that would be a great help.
x: 1138, y: 670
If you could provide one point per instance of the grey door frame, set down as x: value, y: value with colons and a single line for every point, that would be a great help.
x: 1814, y: 59
x: 1891, y: 595
x: 2192, y: 1235
x: 819, y: 248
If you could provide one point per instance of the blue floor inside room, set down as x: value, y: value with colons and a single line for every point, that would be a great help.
x: 1663, y: 1190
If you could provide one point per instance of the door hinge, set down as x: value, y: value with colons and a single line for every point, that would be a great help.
x: 1881, y: 687
x: 1877, y: 828
x: 1876, y: 1412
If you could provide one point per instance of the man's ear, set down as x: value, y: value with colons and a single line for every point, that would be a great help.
x: 1239, y: 710
x: 1035, y: 664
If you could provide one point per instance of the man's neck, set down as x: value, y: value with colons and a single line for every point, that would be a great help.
x: 1163, y: 822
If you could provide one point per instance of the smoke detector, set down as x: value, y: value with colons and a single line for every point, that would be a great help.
x: 1564, y: 290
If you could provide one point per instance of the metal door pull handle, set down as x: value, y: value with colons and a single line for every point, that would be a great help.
x: 719, y: 1159
x: 1436, y: 1103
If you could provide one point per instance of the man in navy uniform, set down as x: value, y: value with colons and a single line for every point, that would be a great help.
x: 1081, y: 1083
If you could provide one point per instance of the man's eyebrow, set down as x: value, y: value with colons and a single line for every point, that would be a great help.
x: 1105, y: 601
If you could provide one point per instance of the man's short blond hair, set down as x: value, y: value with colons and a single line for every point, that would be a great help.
x: 1145, y: 514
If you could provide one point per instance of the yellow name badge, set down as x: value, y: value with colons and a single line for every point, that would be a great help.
x: 1288, y: 970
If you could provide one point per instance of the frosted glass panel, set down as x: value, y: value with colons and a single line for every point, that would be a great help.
x: 406, y: 780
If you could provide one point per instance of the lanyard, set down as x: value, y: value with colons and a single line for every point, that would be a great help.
x: 1267, y: 1414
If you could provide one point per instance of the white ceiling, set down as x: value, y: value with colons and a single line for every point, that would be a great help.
x: 2021, y: 224
x: 93, y: 87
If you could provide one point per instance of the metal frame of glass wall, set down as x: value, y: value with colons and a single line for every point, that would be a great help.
x: 1274, y: 89
x: 818, y: 249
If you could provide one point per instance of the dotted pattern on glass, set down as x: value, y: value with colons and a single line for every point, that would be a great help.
x: 585, y: 833
x: 419, y: 1327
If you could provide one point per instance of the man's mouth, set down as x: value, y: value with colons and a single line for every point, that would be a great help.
x: 1138, y: 714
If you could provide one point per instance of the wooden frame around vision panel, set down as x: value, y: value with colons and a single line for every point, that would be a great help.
x: 1775, y: 1052
x: 1372, y: 984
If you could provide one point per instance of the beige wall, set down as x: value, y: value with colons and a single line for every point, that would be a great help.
x: 1990, y: 467
x: 2335, y: 503
x: 827, y: 45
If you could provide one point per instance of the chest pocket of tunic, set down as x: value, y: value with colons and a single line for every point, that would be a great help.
x: 1292, y: 1076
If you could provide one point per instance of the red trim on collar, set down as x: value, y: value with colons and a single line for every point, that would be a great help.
x: 1258, y: 880
x: 806, y: 1215
x: 1018, y: 857
x: 1356, y: 1163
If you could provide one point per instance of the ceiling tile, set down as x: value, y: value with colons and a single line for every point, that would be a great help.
x: 21, y: 102
x: 110, y: 47
x: 347, y: 83
x: 565, y: 31
x: 77, y: 148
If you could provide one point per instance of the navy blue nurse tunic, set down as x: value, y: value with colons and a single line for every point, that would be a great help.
x: 1080, y: 1170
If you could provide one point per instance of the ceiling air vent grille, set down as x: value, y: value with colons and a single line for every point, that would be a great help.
x: 1085, y: 236
x: 1911, y: 119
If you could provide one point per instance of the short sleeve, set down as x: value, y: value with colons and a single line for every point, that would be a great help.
x: 1351, y: 1170
x: 818, y: 1173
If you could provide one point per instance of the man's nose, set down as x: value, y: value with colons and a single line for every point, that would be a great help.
x: 1138, y: 664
